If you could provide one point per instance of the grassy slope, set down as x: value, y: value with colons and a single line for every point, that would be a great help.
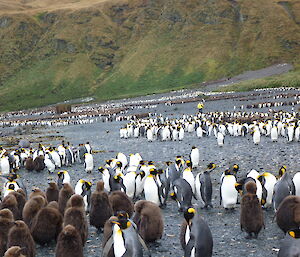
x: 121, y: 49
x: 290, y: 79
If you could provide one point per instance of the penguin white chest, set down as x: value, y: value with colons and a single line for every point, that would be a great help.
x: 228, y: 191
x: 151, y: 190
x: 119, y: 244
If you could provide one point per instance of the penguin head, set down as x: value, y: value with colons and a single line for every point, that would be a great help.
x: 168, y: 163
x: 282, y: 170
x: 173, y: 195
x: 142, y: 162
x: 235, y: 168
x: 123, y: 219
x: 142, y: 173
x: 261, y: 178
x: 12, y: 177
x: 189, y: 214
x: 119, y: 164
x: 239, y: 187
x: 193, y: 147
x: 188, y: 163
x: 211, y: 166
x: 88, y: 185
x: 294, y: 233
x: 227, y: 172
x: 150, y: 163
x: 108, y: 162
x: 117, y: 177
x: 101, y: 169
x: 178, y: 161
x: 153, y: 171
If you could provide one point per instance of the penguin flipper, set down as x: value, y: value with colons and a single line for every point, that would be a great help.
x: 220, y: 195
x: 107, y: 247
x: 202, y: 192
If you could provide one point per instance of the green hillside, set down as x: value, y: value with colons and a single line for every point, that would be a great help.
x: 115, y: 49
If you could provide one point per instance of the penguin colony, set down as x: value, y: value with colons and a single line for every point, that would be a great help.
x: 219, y: 125
x: 62, y: 212
x: 133, y: 193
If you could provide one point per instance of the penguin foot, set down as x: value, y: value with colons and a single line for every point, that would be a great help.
x: 249, y: 236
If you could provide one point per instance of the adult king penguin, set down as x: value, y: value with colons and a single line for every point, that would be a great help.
x: 228, y: 193
x: 195, y: 235
x: 203, y: 186
x: 194, y: 157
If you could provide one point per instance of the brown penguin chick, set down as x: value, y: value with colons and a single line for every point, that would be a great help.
x: 29, y: 164
x: 69, y: 243
x: 120, y: 202
x: 21, y: 200
x: 52, y: 192
x: 53, y: 204
x: 6, y: 222
x: 38, y: 163
x: 47, y: 224
x: 101, y: 209
x: 10, y: 202
x: 36, y: 191
x: 31, y: 208
x: 14, y: 251
x: 251, y: 187
x: 75, y: 216
x: 288, y: 213
x: 64, y: 195
x: 149, y: 220
x: 19, y: 235
x: 107, y: 233
x: 251, y: 217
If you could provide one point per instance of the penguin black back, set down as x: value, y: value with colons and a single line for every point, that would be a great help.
x: 101, y: 209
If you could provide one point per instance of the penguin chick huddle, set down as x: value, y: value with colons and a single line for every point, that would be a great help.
x: 217, y: 124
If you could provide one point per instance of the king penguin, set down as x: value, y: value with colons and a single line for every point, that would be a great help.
x: 268, y: 182
x: 63, y: 177
x: 152, y: 190
x: 188, y: 175
x: 195, y: 235
x: 296, y: 181
x: 290, y: 245
x: 228, y: 193
x: 83, y: 188
x: 203, y: 186
x: 194, y: 157
x: 88, y: 162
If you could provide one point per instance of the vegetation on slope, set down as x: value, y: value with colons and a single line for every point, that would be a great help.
x: 111, y: 49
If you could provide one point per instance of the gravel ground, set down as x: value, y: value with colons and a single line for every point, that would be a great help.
x: 228, y: 239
